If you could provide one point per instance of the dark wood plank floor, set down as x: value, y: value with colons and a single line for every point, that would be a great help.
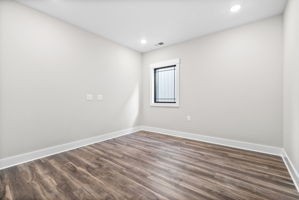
x: 150, y: 166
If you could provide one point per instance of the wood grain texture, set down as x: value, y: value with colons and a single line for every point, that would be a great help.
x: 150, y: 166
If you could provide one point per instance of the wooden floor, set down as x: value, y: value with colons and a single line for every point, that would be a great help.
x: 150, y: 166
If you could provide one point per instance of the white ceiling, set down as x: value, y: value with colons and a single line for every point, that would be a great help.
x: 170, y: 21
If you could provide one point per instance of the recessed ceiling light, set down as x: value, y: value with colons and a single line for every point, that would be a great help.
x: 235, y: 8
x: 143, y: 41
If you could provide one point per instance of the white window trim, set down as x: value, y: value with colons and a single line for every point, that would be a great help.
x: 175, y: 62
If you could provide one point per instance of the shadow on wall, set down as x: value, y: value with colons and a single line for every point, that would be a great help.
x: 127, y: 114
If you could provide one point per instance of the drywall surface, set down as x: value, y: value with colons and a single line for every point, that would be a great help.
x: 230, y: 84
x: 46, y: 69
x: 291, y: 82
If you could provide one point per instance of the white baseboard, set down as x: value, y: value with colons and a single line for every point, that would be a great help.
x: 291, y: 168
x: 216, y: 140
x: 30, y: 156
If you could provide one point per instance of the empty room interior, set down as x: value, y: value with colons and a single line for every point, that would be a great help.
x: 149, y: 100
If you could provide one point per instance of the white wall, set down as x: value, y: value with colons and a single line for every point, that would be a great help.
x: 46, y: 69
x: 291, y: 82
x: 231, y: 84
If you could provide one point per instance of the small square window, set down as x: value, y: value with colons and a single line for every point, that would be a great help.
x: 165, y: 83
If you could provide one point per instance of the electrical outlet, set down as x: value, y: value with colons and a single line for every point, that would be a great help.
x: 89, y: 97
x: 188, y: 117
x: 100, y: 97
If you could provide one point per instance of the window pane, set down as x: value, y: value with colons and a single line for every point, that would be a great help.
x: 165, y: 85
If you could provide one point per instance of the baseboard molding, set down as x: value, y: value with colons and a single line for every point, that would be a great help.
x: 216, y: 140
x: 291, y: 168
x: 30, y: 156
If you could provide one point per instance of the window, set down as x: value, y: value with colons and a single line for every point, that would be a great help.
x: 165, y: 83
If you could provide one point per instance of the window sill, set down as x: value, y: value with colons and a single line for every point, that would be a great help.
x: 171, y: 105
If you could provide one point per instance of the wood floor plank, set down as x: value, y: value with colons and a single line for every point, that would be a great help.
x: 124, y: 184
x: 242, y: 168
x: 197, y: 171
x: 150, y: 166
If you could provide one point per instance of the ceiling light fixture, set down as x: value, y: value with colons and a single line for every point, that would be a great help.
x: 235, y: 8
x: 143, y: 41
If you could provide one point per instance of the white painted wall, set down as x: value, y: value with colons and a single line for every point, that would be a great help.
x: 46, y: 69
x: 291, y: 82
x: 231, y: 84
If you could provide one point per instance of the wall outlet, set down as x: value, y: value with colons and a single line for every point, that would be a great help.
x: 188, y: 117
x: 89, y: 97
x: 100, y: 97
